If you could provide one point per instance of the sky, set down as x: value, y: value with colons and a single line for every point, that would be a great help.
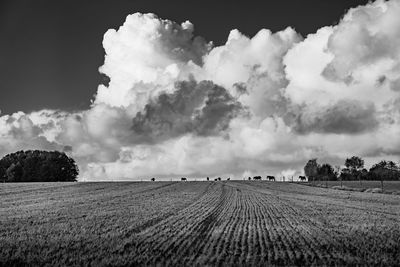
x: 135, y: 89
x: 51, y: 50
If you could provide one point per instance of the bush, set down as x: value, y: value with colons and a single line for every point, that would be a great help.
x: 38, y: 166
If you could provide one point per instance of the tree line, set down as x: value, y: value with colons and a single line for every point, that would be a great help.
x: 38, y: 166
x: 353, y: 170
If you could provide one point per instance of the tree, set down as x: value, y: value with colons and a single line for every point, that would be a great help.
x: 394, y: 170
x: 355, y: 164
x: 364, y: 174
x: 337, y: 172
x: 3, y: 176
x: 326, y: 172
x: 379, y: 171
x: 43, y: 166
x: 345, y: 175
x: 384, y: 170
x: 14, y: 172
x: 311, y: 169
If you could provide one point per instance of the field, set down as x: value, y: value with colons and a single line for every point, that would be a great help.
x: 390, y: 186
x: 196, y: 223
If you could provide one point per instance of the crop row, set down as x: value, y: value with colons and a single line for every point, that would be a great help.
x: 235, y: 224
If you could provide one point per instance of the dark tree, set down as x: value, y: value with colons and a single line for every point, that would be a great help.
x: 326, y: 172
x: 354, y: 164
x: 384, y: 170
x: 38, y: 166
x: 14, y: 172
x: 3, y: 177
x: 311, y: 169
x: 364, y: 174
x: 345, y: 175
x: 394, y: 170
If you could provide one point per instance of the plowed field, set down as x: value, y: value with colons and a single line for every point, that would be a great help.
x: 196, y: 223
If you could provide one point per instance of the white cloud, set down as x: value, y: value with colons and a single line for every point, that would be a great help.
x: 332, y: 95
x: 257, y: 63
x: 147, y: 55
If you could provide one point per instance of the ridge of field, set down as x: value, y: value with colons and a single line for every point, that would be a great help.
x: 196, y: 223
x: 390, y: 186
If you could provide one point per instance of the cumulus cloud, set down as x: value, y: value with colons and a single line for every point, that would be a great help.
x: 201, y: 108
x: 347, y: 117
x: 18, y: 131
x: 175, y: 105
x: 253, y: 68
x: 365, y: 36
x: 147, y: 55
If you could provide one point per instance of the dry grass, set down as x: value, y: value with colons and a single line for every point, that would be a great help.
x: 389, y: 187
x: 189, y: 223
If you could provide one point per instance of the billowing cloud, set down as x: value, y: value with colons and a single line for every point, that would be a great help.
x: 175, y: 105
x: 147, y: 55
x: 201, y: 108
x: 19, y: 131
x: 348, y: 117
x: 366, y: 36
x: 253, y: 68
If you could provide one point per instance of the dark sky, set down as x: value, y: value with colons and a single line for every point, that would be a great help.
x: 50, y: 51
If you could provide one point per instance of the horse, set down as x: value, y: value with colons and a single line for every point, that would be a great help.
x: 270, y: 178
x: 183, y: 179
x: 302, y: 178
x: 153, y: 179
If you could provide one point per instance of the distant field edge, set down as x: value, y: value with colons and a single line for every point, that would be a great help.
x: 389, y: 187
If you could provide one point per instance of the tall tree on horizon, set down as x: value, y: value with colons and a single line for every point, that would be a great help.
x: 355, y: 165
x: 311, y: 169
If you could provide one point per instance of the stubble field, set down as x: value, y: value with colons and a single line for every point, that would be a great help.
x: 388, y: 186
x: 196, y: 223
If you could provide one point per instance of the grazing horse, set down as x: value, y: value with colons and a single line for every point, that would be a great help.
x: 257, y: 178
x: 302, y: 178
x: 153, y: 179
x: 183, y: 179
x: 271, y: 178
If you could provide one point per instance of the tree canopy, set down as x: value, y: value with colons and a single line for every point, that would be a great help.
x: 353, y: 170
x: 354, y: 164
x: 385, y: 170
x: 311, y: 169
x: 326, y: 172
x: 38, y: 166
